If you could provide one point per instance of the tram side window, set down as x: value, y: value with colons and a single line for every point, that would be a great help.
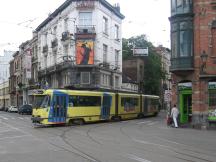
x: 80, y: 101
x: 129, y: 100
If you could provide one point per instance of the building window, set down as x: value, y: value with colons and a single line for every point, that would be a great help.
x: 116, y: 32
x: 105, y: 25
x: 105, y: 79
x: 182, y: 39
x: 117, y: 82
x: 116, y: 58
x: 85, y: 77
x: 45, y: 62
x: 65, y: 50
x: 105, y: 51
x: 54, y: 32
x: 45, y: 38
x: 66, y: 79
x: 212, y: 98
x: 213, y: 31
x: 85, y: 18
x: 66, y: 24
x: 54, y: 57
x: 181, y: 6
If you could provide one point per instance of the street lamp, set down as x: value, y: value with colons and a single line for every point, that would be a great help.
x: 204, y: 58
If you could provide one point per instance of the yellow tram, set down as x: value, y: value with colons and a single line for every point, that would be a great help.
x: 58, y: 106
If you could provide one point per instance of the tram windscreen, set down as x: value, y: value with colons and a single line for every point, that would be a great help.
x: 38, y: 100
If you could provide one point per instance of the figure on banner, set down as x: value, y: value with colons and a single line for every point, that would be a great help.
x: 85, y: 54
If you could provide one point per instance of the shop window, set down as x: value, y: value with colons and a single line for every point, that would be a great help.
x: 213, y: 30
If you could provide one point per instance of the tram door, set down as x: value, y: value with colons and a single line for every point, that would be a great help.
x: 106, y: 106
x: 59, y: 108
x: 146, y: 102
x: 185, y: 107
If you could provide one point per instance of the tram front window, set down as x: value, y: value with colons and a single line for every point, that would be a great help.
x: 45, y: 102
x: 37, y: 101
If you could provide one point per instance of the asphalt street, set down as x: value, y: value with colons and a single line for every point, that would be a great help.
x: 139, y: 140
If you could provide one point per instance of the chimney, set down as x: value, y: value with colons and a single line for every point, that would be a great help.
x: 117, y: 7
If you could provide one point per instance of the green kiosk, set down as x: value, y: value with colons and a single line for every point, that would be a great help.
x: 212, y: 102
x: 185, y: 102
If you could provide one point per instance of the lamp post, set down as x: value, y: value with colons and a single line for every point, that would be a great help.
x: 204, y: 58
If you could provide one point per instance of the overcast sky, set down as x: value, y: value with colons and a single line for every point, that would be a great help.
x: 19, y: 18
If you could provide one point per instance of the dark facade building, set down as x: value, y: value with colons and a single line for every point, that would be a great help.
x: 193, y: 60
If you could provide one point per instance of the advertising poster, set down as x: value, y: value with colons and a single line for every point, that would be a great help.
x: 85, y: 52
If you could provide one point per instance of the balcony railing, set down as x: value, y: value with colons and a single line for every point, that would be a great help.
x: 85, y: 29
x: 182, y: 63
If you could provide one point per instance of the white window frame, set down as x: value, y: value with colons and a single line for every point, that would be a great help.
x: 105, y: 25
x: 116, y: 32
x: 117, y: 82
x: 66, y: 24
x: 82, y: 77
x: 85, y: 18
x: 105, y: 53
x: 116, y: 57
x: 105, y: 79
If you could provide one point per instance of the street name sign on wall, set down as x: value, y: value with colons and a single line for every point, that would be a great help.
x: 140, y: 51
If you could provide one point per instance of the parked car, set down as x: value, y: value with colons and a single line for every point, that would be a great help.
x: 2, y: 108
x: 6, y: 108
x: 25, y: 109
x: 12, y: 109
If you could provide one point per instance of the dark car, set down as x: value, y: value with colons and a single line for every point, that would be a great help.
x: 25, y: 109
x: 2, y: 108
x: 6, y: 108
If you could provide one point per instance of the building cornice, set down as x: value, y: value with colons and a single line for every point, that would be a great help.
x: 68, y: 2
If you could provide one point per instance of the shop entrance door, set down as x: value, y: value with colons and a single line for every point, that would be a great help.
x: 185, y: 106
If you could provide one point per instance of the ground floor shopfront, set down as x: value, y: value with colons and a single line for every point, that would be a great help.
x: 196, y: 101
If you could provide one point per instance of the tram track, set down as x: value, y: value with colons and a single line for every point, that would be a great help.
x: 173, y: 149
x: 76, y: 151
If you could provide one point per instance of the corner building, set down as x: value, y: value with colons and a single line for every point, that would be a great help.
x: 80, y: 46
x: 193, y: 60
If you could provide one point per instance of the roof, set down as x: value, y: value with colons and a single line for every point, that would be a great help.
x: 68, y: 2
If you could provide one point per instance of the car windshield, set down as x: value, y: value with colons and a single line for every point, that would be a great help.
x: 45, y: 101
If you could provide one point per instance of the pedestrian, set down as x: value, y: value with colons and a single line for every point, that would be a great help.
x: 174, y: 115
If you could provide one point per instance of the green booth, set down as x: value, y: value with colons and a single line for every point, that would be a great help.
x: 185, y: 102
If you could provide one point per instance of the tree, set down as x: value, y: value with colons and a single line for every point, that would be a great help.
x: 153, y: 72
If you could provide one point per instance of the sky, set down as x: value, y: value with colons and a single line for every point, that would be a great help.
x: 19, y: 18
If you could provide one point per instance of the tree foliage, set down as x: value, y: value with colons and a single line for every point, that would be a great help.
x: 153, y: 72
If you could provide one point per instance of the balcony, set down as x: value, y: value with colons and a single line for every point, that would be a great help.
x: 182, y: 64
x: 85, y: 32
x: 104, y: 65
